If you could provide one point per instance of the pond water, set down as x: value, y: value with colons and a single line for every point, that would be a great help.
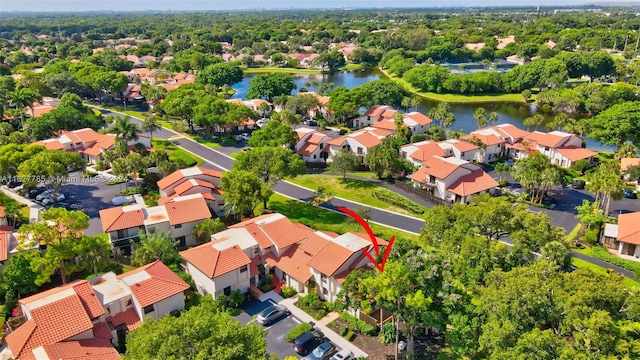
x: 513, y: 113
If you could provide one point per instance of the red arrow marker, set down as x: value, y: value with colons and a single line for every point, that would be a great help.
x: 373, y: 238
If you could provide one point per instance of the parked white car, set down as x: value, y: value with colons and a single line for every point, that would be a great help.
x: 121, y: 200
x: 45, y: 194
x: 343, y: 354
x: 243, y: 136
x: 51, y: 199
x: 262, y: 122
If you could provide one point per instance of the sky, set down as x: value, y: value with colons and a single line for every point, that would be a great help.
x: 141, y: 5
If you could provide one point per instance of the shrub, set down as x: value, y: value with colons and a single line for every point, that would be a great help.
x: 357, y: 325
x: 287, y: 292
x: 503, y: 182
x: 591, y: 236
x: 365, y: 329
x: 397, y: 200
x: 350, y: 336
x: 342, y: 330
x: 603, y: 254
x: 297, y: 331
x: 290, y: 358
x: 388, y: 333
x: 319, y: 314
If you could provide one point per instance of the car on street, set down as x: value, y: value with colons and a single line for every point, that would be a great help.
x: 274, y: 312
x: 549, y: 200
x: 629, y: 194
x: 311, y: 123
x: 509, y: 162
x: 53, y: 199
x: 45, y: 194
x: 324, y: 351
x: 61, y: 205
x: 121, y: 200
x: 262, y: 122
x: 578, y: 184
x: 343, y: 354
x: 306, y: 342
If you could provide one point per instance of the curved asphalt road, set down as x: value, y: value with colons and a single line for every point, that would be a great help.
x: 219, y: 161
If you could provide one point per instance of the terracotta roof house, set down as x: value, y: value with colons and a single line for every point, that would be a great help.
x: 179, y: 215
x: 89, y: 143
x: 459, y: 149
x: 298, y: 256
x: 564, y: 149
x: 312, y: 145
x: 495, y: 139
x: 374, y: 114
x: 418, y: 152
x: 452, y: 179
x: 191, y: 181
x: 83, y: 317
x: 358, y: 142
x: 382, y: 116
x: 625, y: 237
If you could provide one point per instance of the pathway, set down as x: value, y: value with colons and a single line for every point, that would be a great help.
x: 338, y: 340
x: 34, y: 209
x: 219, y: 161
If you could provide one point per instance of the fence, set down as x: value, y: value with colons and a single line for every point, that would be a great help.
x: 422, y: 194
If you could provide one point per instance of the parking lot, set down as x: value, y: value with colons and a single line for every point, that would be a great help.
x: 90, y: 195
x: 276, y: 343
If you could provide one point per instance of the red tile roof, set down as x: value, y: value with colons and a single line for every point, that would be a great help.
x: 162, y: 284
x: 330, y: 258
x: 424, y: 150
x: 463, y: 145
x: 189, y: 184
x: 575, y: 153
x: 307, y: 149
x: 5, y: 239
x: 284, y: 233
x: 546, y: 139
x: 294, y: 263
x: 419, y: 118
x: 626, y: 163
x: 473, y: 183
x: 178, y: 175
x: 87, y: 349
x: 314, y: 244
x: 101, y: 330
x: 509, y: 130
x: 213, y: 262
x: 337, y: 141
x: 438, y: 167
x: 49, y: 324
x: 129, y: 318
x: 92, y: 306
x: 384, y: 124
x: 253, y: 267
x: 628, y: 229
x: 259, y: 235
x: 367, y: 139
x: 51, y: 144
x: 115, y: 219
x: 488, y: 140
x: 186, y: 211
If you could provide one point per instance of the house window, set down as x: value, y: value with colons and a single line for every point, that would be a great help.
x: 178, y: 226
x: 148, y: 309
x: 325, y: 291
x: 323, y: 277
x: 314, y: 156
x: 462, y: 153
x: 128, y: 302
x: 182, y: 241
x: 321, y: 146
x: 404, y: 154
x: 359, y: 151
x: 151, y: 230
x: 227, y: 290
x: 255, y: 250
x: 243, y: 269
x: 546, y: 148
x: 123, y: 234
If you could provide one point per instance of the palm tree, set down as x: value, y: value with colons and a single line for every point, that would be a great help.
x: 405, y: 103
x: 287, y: 117
x: 125, y: 130
x: 534, y: 120
x: 625, y: 150
x: 23, y: 98
x: 313, y: 83
x: 150, y: 125
x: 560, y: 120
x: 263, y: 108
x: 415, y: 102
x: 96, y: 253
x: 402, y: 131
x: 226, y: 88
x: 481, y: 116
x: 136, y: 164
x: 493, y: 117
x: 120, y: 167
x: 202, y: 232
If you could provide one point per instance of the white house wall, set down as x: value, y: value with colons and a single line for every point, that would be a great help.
x: 172, y: 303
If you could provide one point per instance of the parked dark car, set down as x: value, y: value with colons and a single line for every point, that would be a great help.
x: 629, y: 194
x: 31, y: 194
x: 548, y: 200
x: 311, y: 123
x: 307, y: 342
x: 323, y: 352
x: 578, y: 184
x: 269, y: 315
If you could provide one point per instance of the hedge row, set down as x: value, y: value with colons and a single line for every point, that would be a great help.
x: 398, y: 200
x: 603, y: 254
x: 357, y: 325
x: 298, y: 330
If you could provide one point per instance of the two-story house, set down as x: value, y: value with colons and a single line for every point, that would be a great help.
x: 452, y: 179
x: 84, y: 315
x: 193, y: 181
x: 459, y: 149
x: 179, y: 216
x: 373, y: 114
x: 358, y: 142
x: 312, y: 145
x: 564, y: 149
x: 418, y: 152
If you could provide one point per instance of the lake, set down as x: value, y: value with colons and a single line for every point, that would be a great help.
x: 513, y: 113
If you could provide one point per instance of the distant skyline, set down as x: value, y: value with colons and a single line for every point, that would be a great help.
x: 199, y: 5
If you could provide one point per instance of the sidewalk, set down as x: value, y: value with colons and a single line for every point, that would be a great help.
x: 34, y: 209
x: 338, y: 340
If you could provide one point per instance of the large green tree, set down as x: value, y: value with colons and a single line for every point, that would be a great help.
x: 203, y: 332
x: 271, y: 164
x: 243, y: 191
x: 220, y: 74
x: 270, y: 86
x: 12, y: 155
x: 274, y: 134
x: 61, y: 232
x: 50, y: 167
x: 181, y: 102
x: 344, y: 161
x: 202, y: 231
x: 617, y: 124
x: 155, y: 246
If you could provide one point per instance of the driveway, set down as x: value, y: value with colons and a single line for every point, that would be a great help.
x: 276, y: 343
x: 90, y: 195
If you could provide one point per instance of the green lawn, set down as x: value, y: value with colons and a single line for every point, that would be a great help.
x: 25, y: 212
x: 457, y: 98
x: 205, y: 142
x: 581, y: 264
x: 275, y: 69
x: 176, y: 153
x: 350, y: 189
x: 321, y: 219
x: 350, y: 67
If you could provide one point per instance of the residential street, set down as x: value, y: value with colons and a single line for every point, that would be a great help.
x: 562, y: 216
